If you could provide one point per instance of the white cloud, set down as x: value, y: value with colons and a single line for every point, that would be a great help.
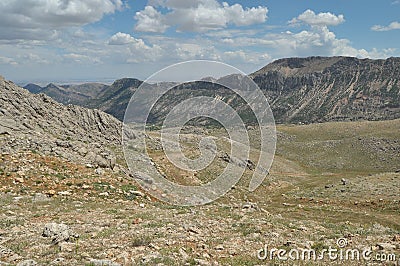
x: 7, y: 61
x: 150, y: 20
x: 33, y: 58
x: 240, y: 17
x: 187, y: 4
x: 318, y: 40
x: 392, y: 26
x: 128, y: 49
x: 122, y: 39
x: 246, y: 58
x: 322, y: 19
x: 197, y: 16
x: 187, y: 51
x: 80, y: 58
x: 230, y: 33
x: 36, y: 19
x: 79, y: 33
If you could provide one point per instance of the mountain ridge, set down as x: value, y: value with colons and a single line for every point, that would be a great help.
x: 344, y: 89
x: 299, y: 90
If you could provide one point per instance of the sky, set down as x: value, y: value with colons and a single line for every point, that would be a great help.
x: 103, y: 40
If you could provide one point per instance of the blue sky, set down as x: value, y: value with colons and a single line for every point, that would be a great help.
x: 99, y: 40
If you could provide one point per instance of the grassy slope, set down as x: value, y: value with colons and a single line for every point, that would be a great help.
x: 311, y: 160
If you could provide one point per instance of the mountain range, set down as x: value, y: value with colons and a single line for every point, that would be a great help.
x: 299, y: 90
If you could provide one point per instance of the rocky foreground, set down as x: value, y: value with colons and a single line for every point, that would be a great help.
x: 65, y: 198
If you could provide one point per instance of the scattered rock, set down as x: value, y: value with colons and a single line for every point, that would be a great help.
x: 344, y: 182
x: 309, y: 244
x: 39, y: 197
x: 102, y: 162
x: 27, y: 263
x: 193, y: 230
x: 250, y: 165
x: 250, y: 206
x: 183, y: 254
x: 137, y: 193
x: 99, y: 171
x: 385, y: 246
x: 51, y: 192
x: 57, y: 261
x: 137, y: 220
x: 67, y: 247
x: 8, y: 254
x: 150, y: 257
x: 59, y: 233
x: 82, y: 151
x: 202, y: 262
x: 289, y: 243
x: 288, y: 204
x: 17, y: 199
x: 19, y: 180
x: 219, y: 247
x: 63, y: 144
x: 95, y: 262
x: 65, y: 193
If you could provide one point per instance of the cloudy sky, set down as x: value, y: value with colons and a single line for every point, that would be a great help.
x: 70, y: 40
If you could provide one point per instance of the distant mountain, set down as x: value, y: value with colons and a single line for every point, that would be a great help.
x: 115, y: 98
x: 33, y: 88
x: 318, y: 89
x: 69, y: 94
x: 112, y: 99
x: 300, y: 90
x: 91, y: 90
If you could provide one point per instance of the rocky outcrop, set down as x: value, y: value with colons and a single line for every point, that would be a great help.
x: 39, y: 123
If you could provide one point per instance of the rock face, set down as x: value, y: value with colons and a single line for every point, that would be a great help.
x: 38, y: 123
x: 318, y: 89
